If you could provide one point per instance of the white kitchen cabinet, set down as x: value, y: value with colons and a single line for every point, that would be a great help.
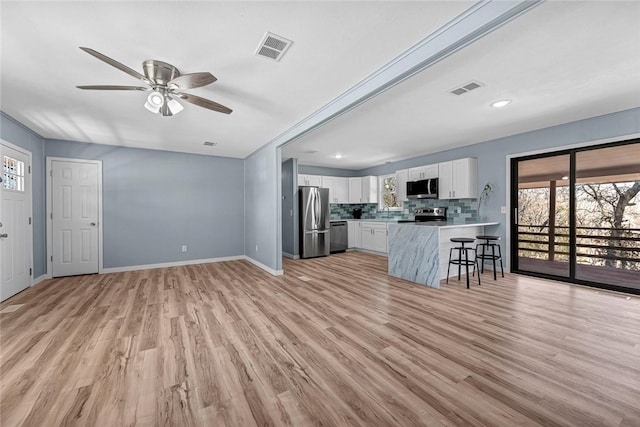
x: 374, y: 236
x: 311, y: 180
x: 355, y: 190
x: 363, y: 190
x: 354, y: 234
x: 369, y: 189
x: 423, y: 172
x: 338, y: 188
x: 402, y: 176
x: 458, y: 179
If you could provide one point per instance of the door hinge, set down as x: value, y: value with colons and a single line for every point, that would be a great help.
x: 29, y: 169
x: 30, y: 272
x: 51, y: 258
x: 51, y: 215
x: 50, y: 173
x: 29, y: 220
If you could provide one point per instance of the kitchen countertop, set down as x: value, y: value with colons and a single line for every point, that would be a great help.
x: 450, y: 224
x: 445, y: 224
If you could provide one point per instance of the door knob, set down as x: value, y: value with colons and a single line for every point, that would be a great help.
x: 93, y: 224
x: 4, y: 235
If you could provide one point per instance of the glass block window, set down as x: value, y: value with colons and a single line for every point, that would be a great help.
x: 12, y: 174
x: 388, y: 197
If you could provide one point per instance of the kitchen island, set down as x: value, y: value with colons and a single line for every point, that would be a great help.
x: 419, y: 252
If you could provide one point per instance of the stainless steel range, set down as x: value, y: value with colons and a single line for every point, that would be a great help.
x: 429, y: 215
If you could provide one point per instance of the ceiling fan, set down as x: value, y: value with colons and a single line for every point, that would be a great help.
x: 166, y: 84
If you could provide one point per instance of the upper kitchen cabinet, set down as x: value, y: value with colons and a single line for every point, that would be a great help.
x: 458, y: 179
x: 310, y: 180
x: 338, y: 188
x: 363, y: 190
x: 423, y: 172
x: 402, y: 176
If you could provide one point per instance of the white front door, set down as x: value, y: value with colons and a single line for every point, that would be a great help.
x: 15, y: 212
x: 74, y: 218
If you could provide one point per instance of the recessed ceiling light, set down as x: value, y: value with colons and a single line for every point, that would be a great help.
x: 338, y: 156
x: 501, y: 103
x: 565, y: 177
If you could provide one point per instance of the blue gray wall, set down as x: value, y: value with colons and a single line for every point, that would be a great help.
x: 156, y: 201
x: 289, y: 207
x: 263, y: 231
x: 317, y: 170
x: 17, y: 134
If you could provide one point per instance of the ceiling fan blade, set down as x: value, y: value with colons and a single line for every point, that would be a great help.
x: 111, y: 87
x: 202, y: 102
x: 193, y: 80
x: 116, y: 64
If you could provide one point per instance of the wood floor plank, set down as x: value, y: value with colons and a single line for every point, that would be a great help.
x: 334, y: 341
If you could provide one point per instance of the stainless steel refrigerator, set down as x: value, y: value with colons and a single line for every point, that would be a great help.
x: 314, y: 221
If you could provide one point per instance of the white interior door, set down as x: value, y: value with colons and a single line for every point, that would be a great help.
x: 74, y: 218
x: 15, y: 228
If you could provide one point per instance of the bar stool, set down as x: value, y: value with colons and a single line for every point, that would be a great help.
x: 459, y: 261
x: 489, y: 242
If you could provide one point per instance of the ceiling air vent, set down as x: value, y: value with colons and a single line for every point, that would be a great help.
x: 467, y: 87
x: 273, y: 46
x: 210, y: 144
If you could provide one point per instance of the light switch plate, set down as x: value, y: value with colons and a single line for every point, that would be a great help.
x: 503, y: 209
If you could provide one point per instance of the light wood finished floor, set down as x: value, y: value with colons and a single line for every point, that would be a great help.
x: 333, y: 342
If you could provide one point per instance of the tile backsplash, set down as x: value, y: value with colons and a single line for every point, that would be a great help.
x: 467, y: 207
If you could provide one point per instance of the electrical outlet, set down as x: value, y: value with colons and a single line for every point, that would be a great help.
x: 503, y: 209
x: 290, y: 212
x: 184, y: 248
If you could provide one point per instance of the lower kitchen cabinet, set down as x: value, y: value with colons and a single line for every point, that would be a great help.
x: 354, y: 236
x: 374, y: 236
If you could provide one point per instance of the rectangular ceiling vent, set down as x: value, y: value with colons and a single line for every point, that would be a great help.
x: 467, y: 87
x: 210, y: 144
x: 273, y: 46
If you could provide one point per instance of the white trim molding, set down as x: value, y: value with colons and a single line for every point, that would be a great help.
x: 171, y: 264
x: 290, y: 256
x: 39, y: 279
x: 264, y: 267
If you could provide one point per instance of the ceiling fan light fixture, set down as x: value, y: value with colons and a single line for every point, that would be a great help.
x: 174, y: 106
x: 155, y: 100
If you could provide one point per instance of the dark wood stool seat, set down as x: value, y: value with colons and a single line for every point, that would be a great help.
x: 460, y: 261
x: 489, y: 243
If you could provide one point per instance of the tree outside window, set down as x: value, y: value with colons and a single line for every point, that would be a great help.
x: 388, y: 196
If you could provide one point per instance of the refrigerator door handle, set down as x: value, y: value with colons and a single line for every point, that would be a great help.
x: 316, y: 232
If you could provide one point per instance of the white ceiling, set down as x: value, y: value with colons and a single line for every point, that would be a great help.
x: 336, y: 44
x: 561, y: 61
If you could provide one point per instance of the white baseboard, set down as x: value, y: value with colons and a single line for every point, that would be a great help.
x: 264, y: 267
x: 171, y: 264
x: 291, y: 256
x: 39, y: 279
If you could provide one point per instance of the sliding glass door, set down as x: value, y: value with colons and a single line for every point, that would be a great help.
x: 576, y: 215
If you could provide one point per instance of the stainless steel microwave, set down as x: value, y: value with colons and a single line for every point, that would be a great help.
x: 423, y: 189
